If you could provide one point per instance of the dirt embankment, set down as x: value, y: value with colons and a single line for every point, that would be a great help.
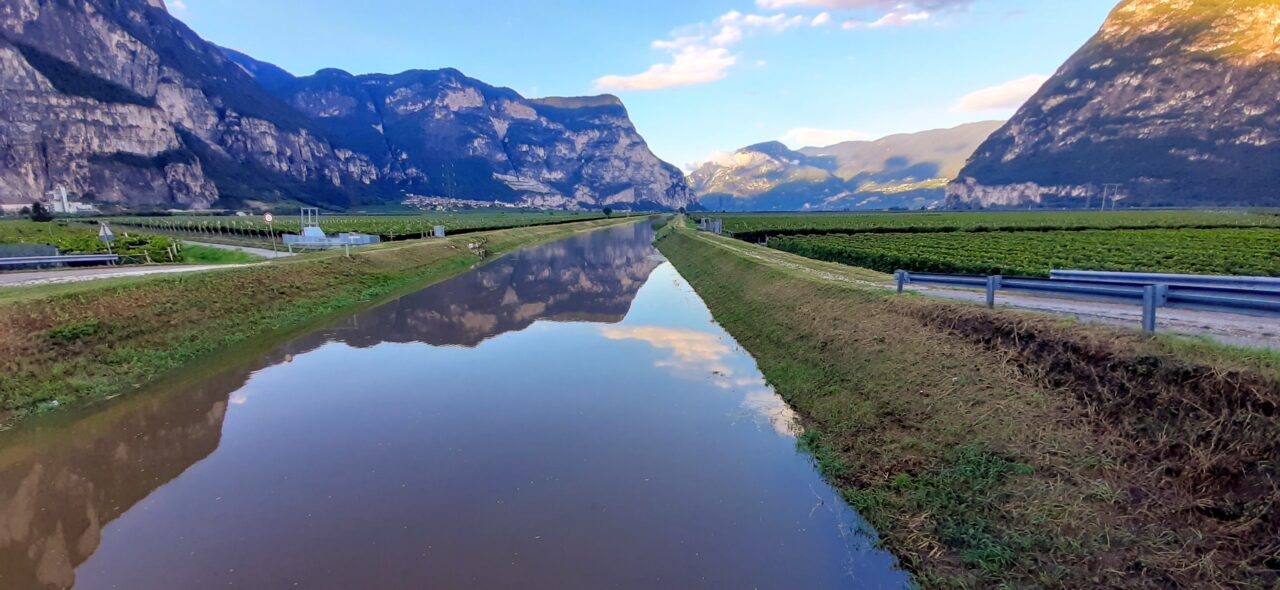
x: 992, y: 448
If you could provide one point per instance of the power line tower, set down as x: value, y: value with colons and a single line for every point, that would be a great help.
x: 448, y: 180
x: 1111, y: 190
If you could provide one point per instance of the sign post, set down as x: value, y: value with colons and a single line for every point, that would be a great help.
x: 105, y: 236
x: 269, y: 219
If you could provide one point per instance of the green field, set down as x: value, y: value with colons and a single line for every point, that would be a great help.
x: 389, y: 227
x: 759, y: 225
x: 80, y: 238
x: 197, y: 254
x: 1199, y: 251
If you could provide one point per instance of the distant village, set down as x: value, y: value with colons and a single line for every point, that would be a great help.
x: 426, y: 203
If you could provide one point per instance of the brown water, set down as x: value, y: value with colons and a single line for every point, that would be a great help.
x: 565, y: 417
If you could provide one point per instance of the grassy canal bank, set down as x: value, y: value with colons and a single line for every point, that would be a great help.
x: 63, y: 344
x: 1000, y: 449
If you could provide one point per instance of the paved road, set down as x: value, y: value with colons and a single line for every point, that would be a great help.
x: 263, y: 252
x: 1242, y: 330
x: 74, y: 275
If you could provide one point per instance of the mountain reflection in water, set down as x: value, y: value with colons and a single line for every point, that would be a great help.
x: 588, y: 280
x: 567, y: 416
x: 61, y: 483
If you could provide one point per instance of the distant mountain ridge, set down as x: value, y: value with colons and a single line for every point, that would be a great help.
x: 441, y: 133
x: 899, y: 171
x: 1173, y: 102
x: 124, y: 105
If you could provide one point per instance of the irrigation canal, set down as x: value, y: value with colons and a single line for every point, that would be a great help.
x: 568, y: 416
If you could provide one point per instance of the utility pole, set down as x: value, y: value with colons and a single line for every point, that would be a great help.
x: 448, y: 181
x: 1110, y: 190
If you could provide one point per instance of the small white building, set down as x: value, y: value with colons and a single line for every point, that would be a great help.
x: 57, y: 202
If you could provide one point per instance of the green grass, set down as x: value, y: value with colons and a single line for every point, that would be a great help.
x: 388, y: 226
x: 755, y: 226
x: 1193, y: 251
x: 94, y: 340
x: 196, y: 254
x: 1005, y: 450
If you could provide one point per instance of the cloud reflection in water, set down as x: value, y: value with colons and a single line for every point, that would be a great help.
x: 695, y: 354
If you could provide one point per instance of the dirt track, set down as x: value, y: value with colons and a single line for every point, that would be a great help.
x: 74, y: 275
x: 1242, y: 330
x: 1236, y: 329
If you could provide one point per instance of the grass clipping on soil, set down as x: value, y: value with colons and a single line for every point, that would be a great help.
x: 998, y: 449
x: 101, y: 341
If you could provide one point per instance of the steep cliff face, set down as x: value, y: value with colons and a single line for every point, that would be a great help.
x: 907, y: 170
x: 123, y: 104
x: 440, y: 133
x: 1173, y: 100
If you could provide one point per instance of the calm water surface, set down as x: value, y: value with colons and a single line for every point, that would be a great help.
x: 566, y: 417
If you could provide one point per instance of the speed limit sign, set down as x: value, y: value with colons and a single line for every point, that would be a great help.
x: 267, y: 217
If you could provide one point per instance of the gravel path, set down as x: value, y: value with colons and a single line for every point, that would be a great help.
x: 74, y: 275
x: 263, y: 252
x: 1237, y: 329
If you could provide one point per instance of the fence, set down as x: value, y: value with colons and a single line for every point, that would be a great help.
x: 57, y: 261
x: 1239, y: 295
x: 312, y: 237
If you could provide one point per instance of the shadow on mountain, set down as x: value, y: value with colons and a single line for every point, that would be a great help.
x: 899, y: 168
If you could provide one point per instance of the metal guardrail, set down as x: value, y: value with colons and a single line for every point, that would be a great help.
x: 1148, y: 278
x: 1239, y: 295
x: 20, y: 261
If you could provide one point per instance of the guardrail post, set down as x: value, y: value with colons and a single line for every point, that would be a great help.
x: 1162, y: 295
x: 901, y: 277
x: 993, y: 283
x: 1149, y: 300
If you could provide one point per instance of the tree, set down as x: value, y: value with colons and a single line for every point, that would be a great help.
x: 40, y: 213
x: 682, y: 211
x: 608, y: 211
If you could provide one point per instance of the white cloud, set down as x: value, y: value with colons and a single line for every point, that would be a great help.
x: 691, y: 65
x: 820, y: 20
x: 179, y: 5
x: 718, y: 158
x: 881, y: 5
x: 872, y: 13
x: 1009, y: 95
x: 809, y: 136
x: 891, y: 19
x: 700, y: 54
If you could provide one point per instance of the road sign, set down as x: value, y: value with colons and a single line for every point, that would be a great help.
x: 267, y: 217
x: 104, y: 233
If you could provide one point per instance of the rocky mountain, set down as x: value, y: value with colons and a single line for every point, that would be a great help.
x: 907, y: 171
x: 441, y: 133
x: 1174, y: 101
x: 124, y: 105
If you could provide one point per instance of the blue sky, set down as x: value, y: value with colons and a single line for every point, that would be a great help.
x: 698, y: 77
